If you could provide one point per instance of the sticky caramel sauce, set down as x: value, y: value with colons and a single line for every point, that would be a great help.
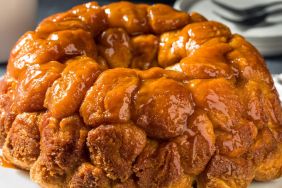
x: 5, y: 163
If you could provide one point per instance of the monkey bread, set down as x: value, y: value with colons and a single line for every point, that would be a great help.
x: 133, y: 95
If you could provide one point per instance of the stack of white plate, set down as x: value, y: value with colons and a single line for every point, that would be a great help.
x: 267, y: 39
x: 277, y: 78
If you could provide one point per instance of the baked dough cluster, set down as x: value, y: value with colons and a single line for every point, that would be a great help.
x: 131, y: 95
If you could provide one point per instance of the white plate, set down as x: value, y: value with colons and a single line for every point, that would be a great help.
x: 268, y: 40
x: 13, y: 178
x: 277, y: 78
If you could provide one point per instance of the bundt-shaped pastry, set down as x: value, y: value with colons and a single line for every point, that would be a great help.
x: 131, y: 95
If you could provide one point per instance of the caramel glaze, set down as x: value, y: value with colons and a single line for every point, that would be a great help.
x: 133, y: 95
x: 5, y: 163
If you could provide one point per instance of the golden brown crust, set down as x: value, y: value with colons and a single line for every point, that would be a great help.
x: 160, y: 167
x: 22, y: 143
x: 270, y: 168
x: 163, y: 98
x: 225, y: 172
x: 61, y: 150
x: 115, y: 147
x: 89, y: 176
